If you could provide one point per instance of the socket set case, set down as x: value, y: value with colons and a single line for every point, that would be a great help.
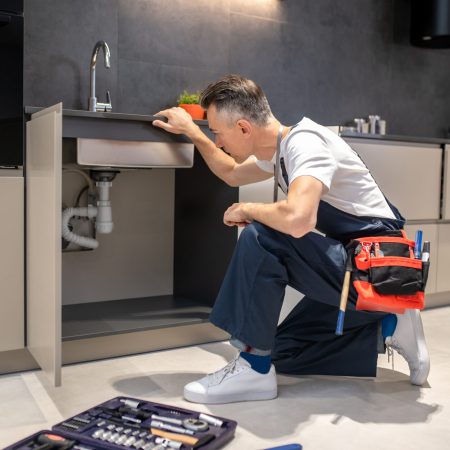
x: 124, y: 423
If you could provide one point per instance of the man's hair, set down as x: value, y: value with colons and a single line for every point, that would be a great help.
x: 238, y: 97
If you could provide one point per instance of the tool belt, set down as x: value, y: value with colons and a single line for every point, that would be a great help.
x: 386, y: 275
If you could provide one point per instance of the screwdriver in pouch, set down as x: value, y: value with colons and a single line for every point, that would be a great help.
x: 344, y: 293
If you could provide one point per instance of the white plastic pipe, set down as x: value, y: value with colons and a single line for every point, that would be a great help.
x: 83, y: 241
x: 104, y: 223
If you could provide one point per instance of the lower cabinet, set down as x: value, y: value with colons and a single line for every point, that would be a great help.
x: 430, y: 233
x: 11, y: 260
x: 442, y: 257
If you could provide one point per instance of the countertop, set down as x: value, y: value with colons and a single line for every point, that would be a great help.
x: 395, y: 137
x: 89, y: 124
x: 107, y: 115
x: 114, y: 125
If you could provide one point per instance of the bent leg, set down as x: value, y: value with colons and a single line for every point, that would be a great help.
x: 264, y: 262
x: 306, y: 344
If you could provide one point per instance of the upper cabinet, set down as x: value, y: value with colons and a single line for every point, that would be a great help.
x: 409, y: 174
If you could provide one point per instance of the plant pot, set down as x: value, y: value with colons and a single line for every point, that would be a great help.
x: 195, y: 110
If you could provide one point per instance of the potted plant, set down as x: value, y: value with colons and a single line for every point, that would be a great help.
x: 190, y: 102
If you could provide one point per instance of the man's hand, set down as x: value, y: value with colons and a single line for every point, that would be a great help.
x: 179, y: 122
x: 236, y: 216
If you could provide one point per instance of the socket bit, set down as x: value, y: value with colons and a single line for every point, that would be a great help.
x: 122, y: 438
x: 97, y: 434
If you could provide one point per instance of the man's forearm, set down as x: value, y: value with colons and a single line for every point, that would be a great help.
x: 279, y: 216
x: 218, y: 162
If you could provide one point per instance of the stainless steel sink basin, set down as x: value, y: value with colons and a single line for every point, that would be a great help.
x: 133, y: 154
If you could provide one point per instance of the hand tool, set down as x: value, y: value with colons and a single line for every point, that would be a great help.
x: 286, y: 447
x: 344, y: 292
x: 425, y: 263
x: 82, y: 420
x: 188, y: 440
x: 121, y: 439
x: 129, y: 402
x: 106, y: 436
x: 139, y: 443
x: 53, y: 441
x: 211, y: 420
x: 113, y: 437
x: 129, y: 442
x: 195, y: 424
x: 418, y: 244
x: 96, y: 434
x: 168, y: 427
x: 168, y: 442
x: 190, y: 423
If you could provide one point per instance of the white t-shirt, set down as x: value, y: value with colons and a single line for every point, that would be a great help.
x: 312, y: 149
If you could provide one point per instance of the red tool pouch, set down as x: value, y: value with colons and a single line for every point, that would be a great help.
x: 386, y: 275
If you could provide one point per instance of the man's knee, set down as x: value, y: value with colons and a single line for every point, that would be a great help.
x: 252, y: 233
x: 256, y: 228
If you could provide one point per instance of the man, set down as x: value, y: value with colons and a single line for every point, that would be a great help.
x: 328, y: 188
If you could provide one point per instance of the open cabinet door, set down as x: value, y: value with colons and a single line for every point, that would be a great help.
x: 43, y: 225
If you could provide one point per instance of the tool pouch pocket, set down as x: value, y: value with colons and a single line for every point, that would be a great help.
x: 386, y: 275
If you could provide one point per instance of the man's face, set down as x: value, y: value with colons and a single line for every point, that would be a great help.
x: 231, y: 138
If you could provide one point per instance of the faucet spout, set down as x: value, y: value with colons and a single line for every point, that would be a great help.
x: 93, y: 104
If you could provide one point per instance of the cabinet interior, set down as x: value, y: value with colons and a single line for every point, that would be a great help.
x: 163, y: 262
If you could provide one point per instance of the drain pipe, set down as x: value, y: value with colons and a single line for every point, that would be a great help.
x: 103, y: 181
x: 69, y: 236
x: 102, y: 212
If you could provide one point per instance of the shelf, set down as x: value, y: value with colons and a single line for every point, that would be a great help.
x: 89, y: 320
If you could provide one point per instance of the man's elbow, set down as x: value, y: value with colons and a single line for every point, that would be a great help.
x: 301, y: 225
x: 231, y: 182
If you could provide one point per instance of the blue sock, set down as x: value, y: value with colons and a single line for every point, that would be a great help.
x: 388, y: 325
x: 259, y: 363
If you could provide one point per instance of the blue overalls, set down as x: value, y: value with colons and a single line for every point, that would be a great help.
x: 265, y: 261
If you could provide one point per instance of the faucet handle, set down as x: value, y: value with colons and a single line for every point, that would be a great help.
x: 105, y: 107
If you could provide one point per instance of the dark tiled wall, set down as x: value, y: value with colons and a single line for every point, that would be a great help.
x: 326, y: 59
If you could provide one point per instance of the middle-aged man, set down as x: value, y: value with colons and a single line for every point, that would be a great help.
x: 329, y: 188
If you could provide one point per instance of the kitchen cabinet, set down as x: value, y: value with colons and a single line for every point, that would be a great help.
x: 71, y: 319
x: 441, y: 255
x: 446, y: 184
x: 11, y: 260
x: 408, y: 173
x: 43, y: 252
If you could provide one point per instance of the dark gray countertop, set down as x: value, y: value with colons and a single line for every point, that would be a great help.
x: 88, y: 124
x: 394, y: 137
x: 113, y: 125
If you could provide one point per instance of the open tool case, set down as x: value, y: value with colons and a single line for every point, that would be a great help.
x: 128, y: 423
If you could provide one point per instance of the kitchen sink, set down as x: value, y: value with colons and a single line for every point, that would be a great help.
x: 128, y: 154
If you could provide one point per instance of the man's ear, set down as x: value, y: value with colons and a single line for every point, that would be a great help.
x: 245, y: 126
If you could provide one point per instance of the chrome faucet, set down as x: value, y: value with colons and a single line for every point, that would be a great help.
x: 93, y: 104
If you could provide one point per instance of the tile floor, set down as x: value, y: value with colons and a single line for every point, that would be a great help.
x: 326, y: 413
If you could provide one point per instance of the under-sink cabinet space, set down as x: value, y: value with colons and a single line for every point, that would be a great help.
x: 120, y: 259
x: 126, y: 283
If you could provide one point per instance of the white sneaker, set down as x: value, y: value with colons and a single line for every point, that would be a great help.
x: 236, y: 382
x: 409, y: 340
